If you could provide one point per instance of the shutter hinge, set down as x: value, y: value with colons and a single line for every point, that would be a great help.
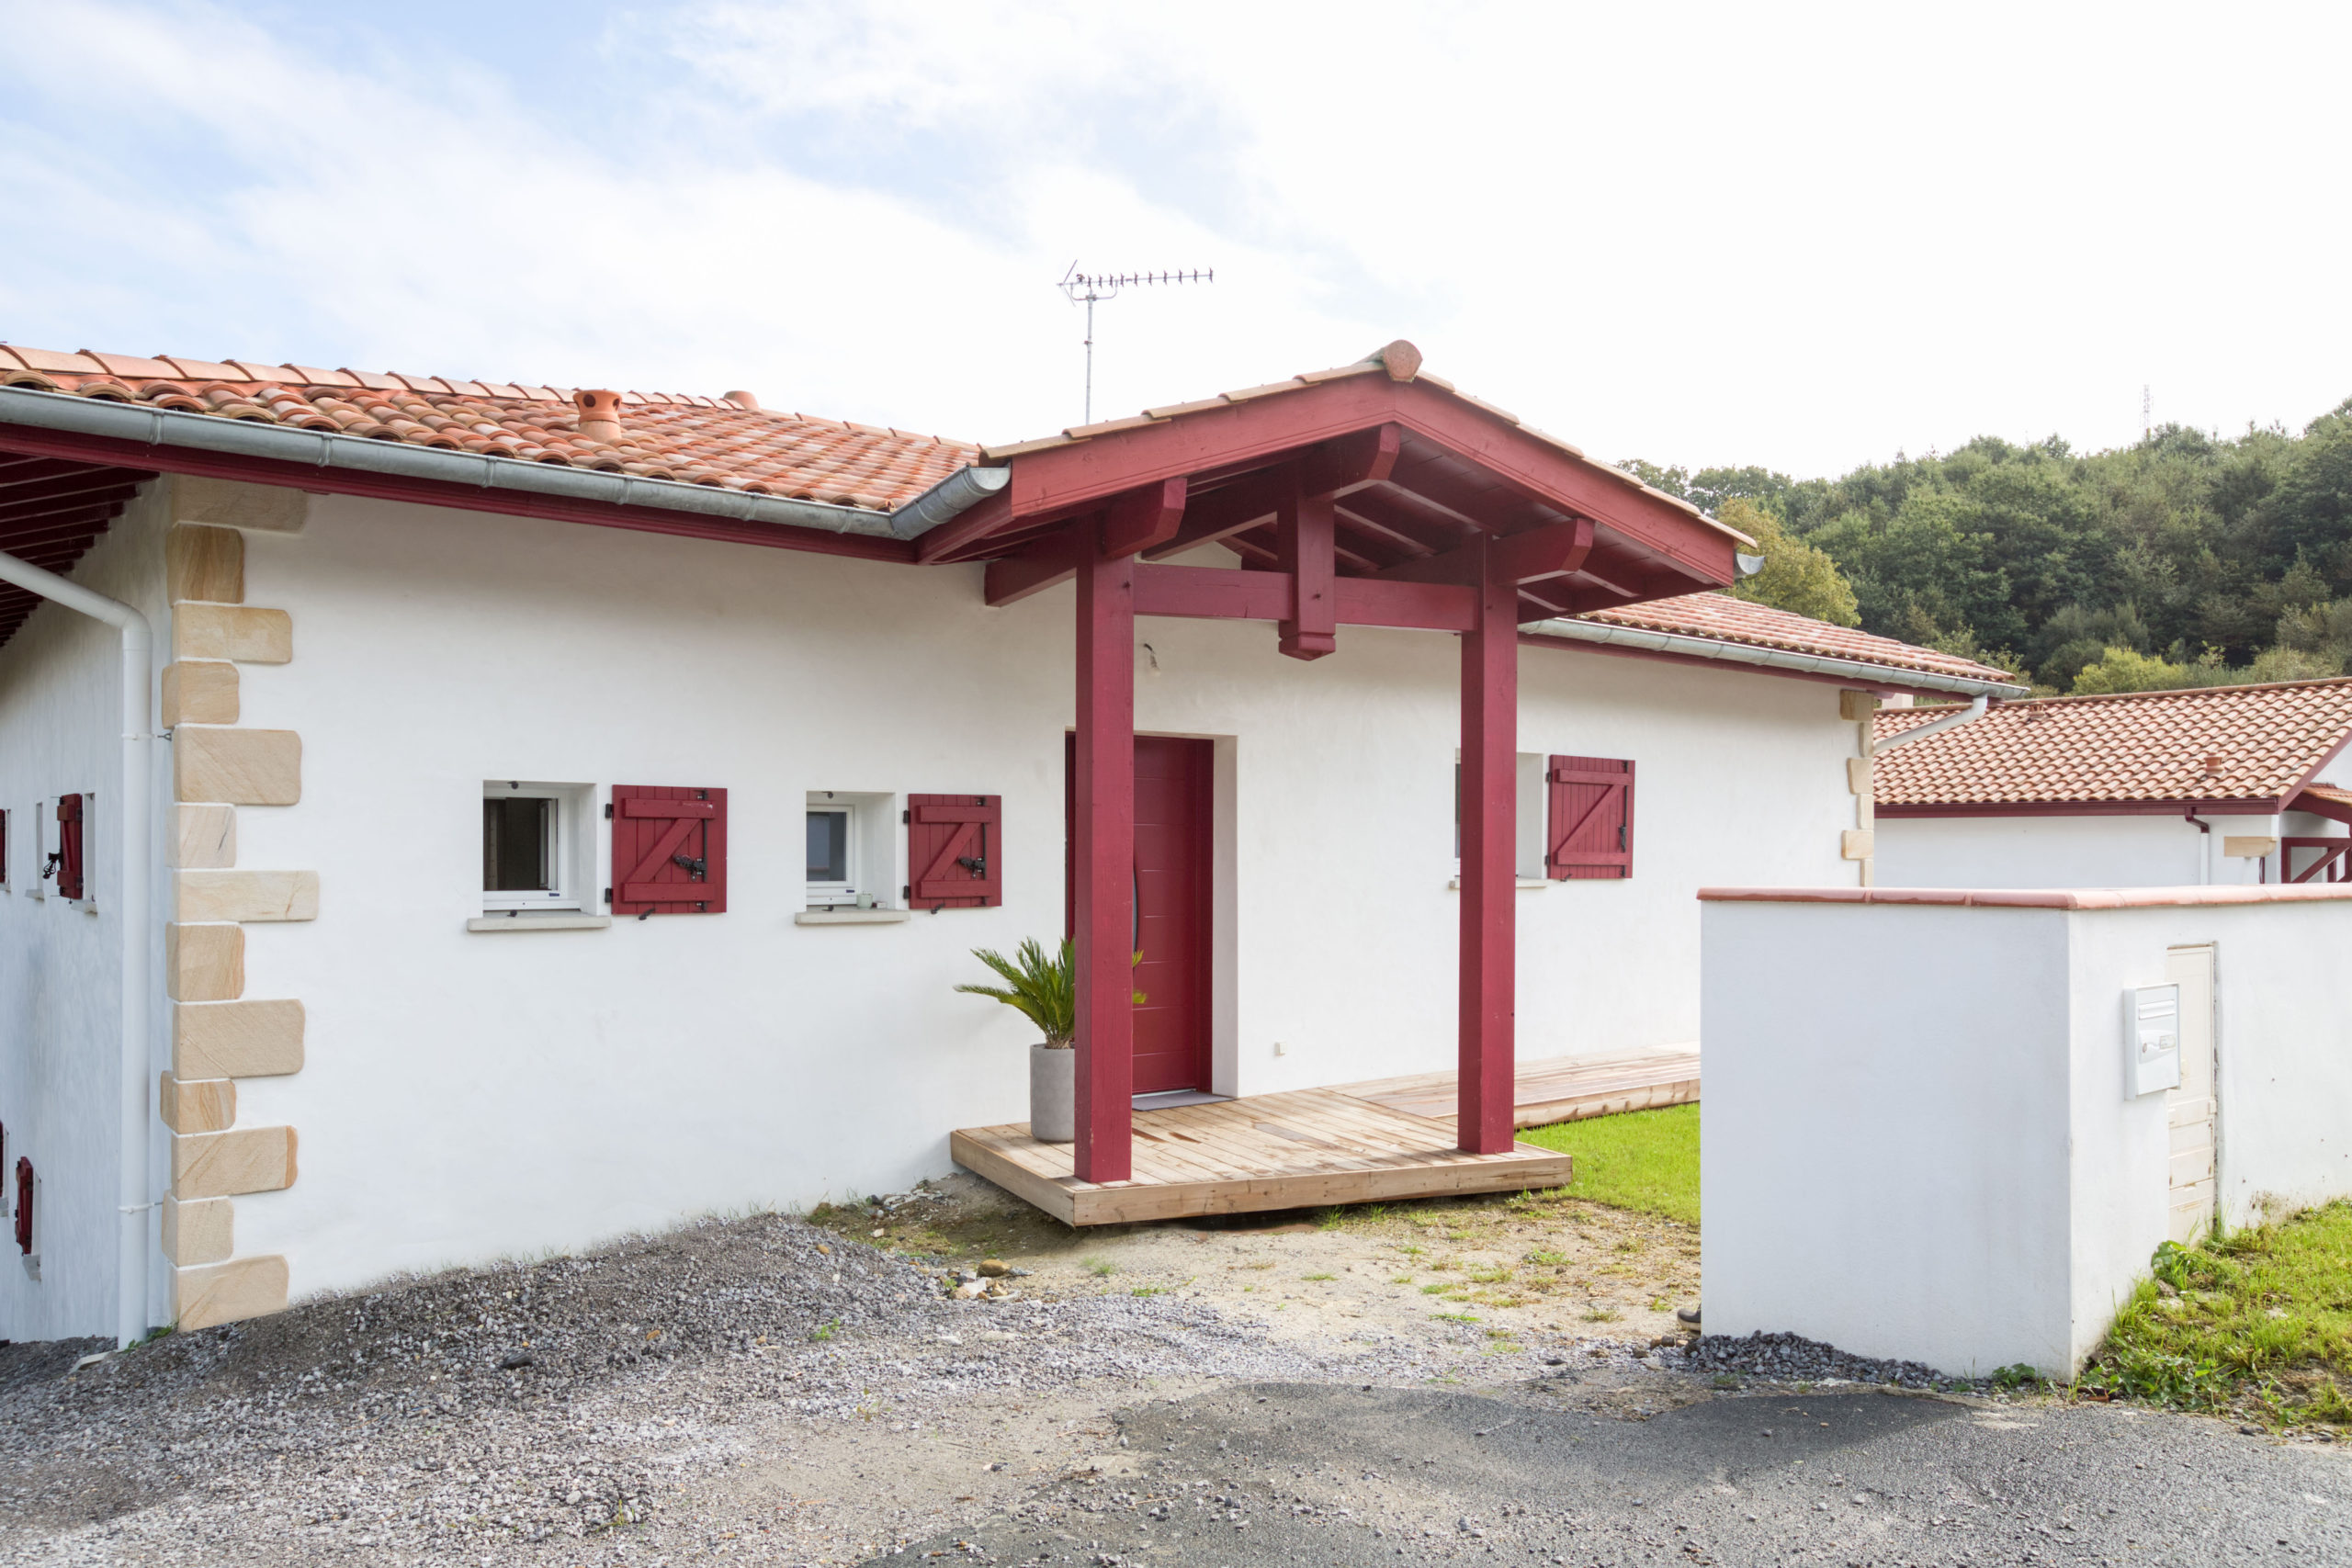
x: 608, y: 811
x: 907, y: 817
x: 906, y: 891
x: 608, y: 894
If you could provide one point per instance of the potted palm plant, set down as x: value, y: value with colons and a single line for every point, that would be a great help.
x: 1043, y: 989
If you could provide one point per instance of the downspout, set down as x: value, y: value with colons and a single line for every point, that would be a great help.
x: 2205, y: 847
x: 1968, y: 715
x: 131, y: 1197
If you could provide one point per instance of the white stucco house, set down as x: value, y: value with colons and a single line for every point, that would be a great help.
x: 446, y: 819
x: 2223, y: 785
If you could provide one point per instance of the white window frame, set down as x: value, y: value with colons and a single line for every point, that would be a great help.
x: 571, y: 859
x: 874, y: 870
x: 1531, y: 847
x: 44, y: 837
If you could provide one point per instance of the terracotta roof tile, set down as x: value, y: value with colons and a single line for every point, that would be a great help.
x: 1723, y: 618
x: 2249, y: 743
x: 698, y: 439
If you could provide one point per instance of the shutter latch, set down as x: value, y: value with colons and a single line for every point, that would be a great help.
x: 698, y: 867
x: 976, y: 864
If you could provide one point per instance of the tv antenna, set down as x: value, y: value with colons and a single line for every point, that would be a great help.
x: 1082, y: 289
x: 2147, y: 412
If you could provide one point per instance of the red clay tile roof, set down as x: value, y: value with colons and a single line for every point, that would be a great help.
x: 698, y: 440
x: 1723, y: 618
x: 715, y: 441
x: 1400, y: 361
x: 2146, y: 746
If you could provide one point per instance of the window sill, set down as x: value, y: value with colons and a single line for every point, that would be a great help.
x: 852, y: 916
x: 1526, y: 883
x: 550, y: 922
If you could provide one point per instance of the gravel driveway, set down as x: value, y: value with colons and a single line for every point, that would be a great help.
x: 783, y: 1392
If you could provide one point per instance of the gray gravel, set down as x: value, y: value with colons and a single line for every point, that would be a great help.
x: 561, y: 1399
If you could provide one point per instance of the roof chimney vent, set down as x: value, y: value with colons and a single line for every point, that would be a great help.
x: 741, y: 400
x: 600, y: 414
x: 2212, y: 766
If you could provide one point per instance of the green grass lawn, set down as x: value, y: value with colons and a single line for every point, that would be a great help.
x: 2259, y: 1321
x: 1643, y: 1159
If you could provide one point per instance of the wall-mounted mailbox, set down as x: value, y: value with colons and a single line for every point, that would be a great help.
x: 2151, y: 1039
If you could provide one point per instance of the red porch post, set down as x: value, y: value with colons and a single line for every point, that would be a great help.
x: 1104, y: 919
x: 1489, y: 872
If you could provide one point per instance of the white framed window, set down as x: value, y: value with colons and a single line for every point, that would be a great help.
x: 1529, y: 846
x: 536, y: 850
x: 853, y: 860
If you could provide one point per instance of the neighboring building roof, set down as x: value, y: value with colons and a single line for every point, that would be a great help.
x: 1722, y: 618
x: 700, y: 440
x: 731, y: 444
x: 2253, y: 746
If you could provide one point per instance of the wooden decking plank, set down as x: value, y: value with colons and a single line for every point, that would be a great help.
x: 1014, y: 1177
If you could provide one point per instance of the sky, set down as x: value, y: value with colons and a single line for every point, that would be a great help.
x: 1804, y: 236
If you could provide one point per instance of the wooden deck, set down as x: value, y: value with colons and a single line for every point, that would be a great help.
x: 1562, y: 1088
x: 1265, y: 1151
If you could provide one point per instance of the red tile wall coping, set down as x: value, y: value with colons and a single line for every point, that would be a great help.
x: 2032, y: 897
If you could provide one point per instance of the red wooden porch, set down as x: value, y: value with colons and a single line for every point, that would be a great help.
x: 1370, y: 496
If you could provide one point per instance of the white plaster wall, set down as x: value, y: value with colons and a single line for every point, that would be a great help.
x: 1884, y: 1155
x: 470, y: 1095
x: 1952, y: 1173
x: 60, y: 723
x: 2058, y: 852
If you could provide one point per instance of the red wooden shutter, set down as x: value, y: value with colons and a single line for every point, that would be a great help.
x: 669, y: 849
x: 24, y: 1205
x: 1590, y: 835
x: 69, y: 846
x: 954, y: 849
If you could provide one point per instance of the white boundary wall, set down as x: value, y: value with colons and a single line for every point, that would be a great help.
x: 1917, y: 1142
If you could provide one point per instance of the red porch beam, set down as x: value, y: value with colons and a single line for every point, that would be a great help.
x: 1142, y: 518
x: 1489, y: 872
x: 1042, y: 564
x: 1305, y: 538
x: 1222, y: 593
x: 1104, y: 805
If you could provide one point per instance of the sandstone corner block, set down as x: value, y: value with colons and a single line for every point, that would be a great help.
x: 201, y: 1232
x: 201, y: 562
x: 232, y: 631
x: 232, y: 503
x: 224, y: 1293
x: 223, y: 1165
x: 245, y: 895
x: 202, y: 1105
x: 237, y: 767
x: 200, y: 691
x: 1855, y: 843
x: 203, y: 836
x: 204, y: 964
x: 237, y: 1040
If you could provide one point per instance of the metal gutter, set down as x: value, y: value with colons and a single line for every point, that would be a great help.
x: 139, y: 424
x: 958, y: 493
x: 1689, y: 647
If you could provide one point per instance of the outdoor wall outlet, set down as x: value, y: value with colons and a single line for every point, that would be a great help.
x: 1280, y: 1048
x: 2151, y: 1040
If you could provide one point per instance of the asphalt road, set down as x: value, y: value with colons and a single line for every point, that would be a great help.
x: 1570, y: 1473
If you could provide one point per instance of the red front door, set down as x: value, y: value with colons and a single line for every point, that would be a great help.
x: 1172, y: 922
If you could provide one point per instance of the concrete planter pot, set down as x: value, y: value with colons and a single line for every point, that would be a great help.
x: 1053, y: 1095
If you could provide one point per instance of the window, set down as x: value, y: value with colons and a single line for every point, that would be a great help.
x: 852, y: 859
x: 532, y: 846
x: 4, y: 850
x: 1527, y: 846
x: 73, y: 812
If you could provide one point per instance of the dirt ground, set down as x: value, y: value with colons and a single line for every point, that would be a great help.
x: 1516, y: 1265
